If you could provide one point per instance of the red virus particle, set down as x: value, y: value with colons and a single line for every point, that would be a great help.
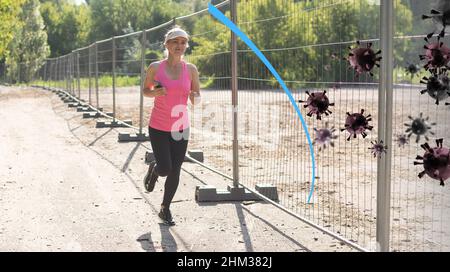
x: 357, y: 123
x: 362, y: 58
x: 317, y: 103
x: 324, y: 136
x: 437, y: 55
x: 438, y: 86
x: 435, y: 161
x: 378, y: 148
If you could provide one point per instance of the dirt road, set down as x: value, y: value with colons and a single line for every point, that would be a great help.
x: 67, y: 186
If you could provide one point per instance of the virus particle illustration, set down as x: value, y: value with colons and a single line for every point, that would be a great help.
x: 357, y: 123
x: 437, y: 56
x: 438, y: 86
x: 412, y: 69
x: 419, y: 127
x: 324, y: 136
x: 363, y: 59
x: 440, y: 15
x: 378, y: 148
x: 317, y: 103
x: 402, y: 140
x: 436, y: 162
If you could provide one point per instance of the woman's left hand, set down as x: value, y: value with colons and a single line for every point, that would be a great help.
x: 195, y: 97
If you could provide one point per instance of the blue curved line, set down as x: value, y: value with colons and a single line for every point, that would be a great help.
x: 218, y: 15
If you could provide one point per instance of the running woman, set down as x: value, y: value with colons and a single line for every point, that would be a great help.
x: 171, y: 82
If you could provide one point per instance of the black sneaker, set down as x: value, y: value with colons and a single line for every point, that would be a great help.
x: 150, y: 178
x: 166, y: 216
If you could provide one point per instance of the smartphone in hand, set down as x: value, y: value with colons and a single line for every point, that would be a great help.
x: 158, y: 85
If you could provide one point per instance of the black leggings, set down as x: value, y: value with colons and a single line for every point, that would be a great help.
x: 169, y: 155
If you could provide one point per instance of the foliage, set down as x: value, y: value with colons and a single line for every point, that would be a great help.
x: 9, y: 9
x: 29, y: 45
x: 67, y: 26
x: 305, y: 41
x: 111, y: 17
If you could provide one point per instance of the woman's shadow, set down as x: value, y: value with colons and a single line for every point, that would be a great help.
x: 146, y: 242
x: 168, y: 243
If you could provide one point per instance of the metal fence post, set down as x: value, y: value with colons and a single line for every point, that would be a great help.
x: 59, y: 72
x: 78, y: 74
x: 55, y: 73
x: 66, y: 72
x: 68, y: 60
x: 69, y: 73
x: 113, y: 70
x: 385, y: 125
x: 89, y: 71
x: 142, y: 81
x: 52, y: 73
x: 57, y: 65
x: 44, y: 76
x: 54, y: 63
x: 234, y: 96
x: 96, y: 75
x: 72, y: 73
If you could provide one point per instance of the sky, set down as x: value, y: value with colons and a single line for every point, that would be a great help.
x: 78, y: 1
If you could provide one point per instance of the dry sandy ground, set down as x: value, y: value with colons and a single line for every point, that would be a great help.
x: 67, y: 186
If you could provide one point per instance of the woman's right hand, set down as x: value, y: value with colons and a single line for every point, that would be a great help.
x: 159, y: 91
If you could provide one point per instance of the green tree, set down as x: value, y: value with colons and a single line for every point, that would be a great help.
x: 29, y: 45
x: 111, y: 17
x: 273, y: 26
x: 9, y: 9
x: 67, y: 26
x: 305, y: 41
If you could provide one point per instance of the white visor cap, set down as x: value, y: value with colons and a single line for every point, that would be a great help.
x: 174, y: 33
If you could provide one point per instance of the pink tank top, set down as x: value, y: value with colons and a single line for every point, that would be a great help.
x: 169, y: 112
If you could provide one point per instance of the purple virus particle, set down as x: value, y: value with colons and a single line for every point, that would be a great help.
x: 412, y: 69
x: 378, y: 148
x: 438, y: 86
x: 436, y: 162
x: 324, y: 136
x: 440, y: 15
x: 402, y: 140
x: 317, y: 104
x: 362, y: 58
x: 357, y: 123
x: 437, y: 55
x: 419, y: 126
